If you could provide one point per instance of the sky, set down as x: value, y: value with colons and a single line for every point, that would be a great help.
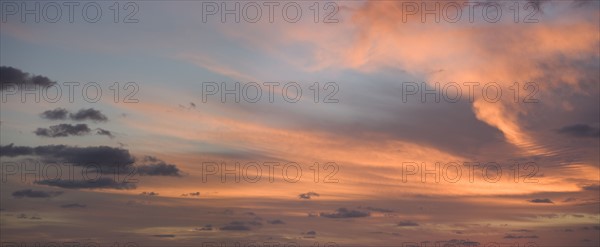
x: 300, y: 123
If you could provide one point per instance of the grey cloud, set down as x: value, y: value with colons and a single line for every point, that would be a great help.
x: 309, y: 234
x: 207, y: 227
x: 73, y: 205
x: 103, y: 156
x: 511, y: 236
x: 308, y: 195
x: 275, y: 222
x: 101, y: 183
x: 151, y: 193
x: 13, y: 75
x: 88, y: 114
x: 580, y: 130
x: 382, y: 210
x: 63, y: 130
x: 591, y: 187
x: 11, y: 151
x: 235, y: 226
x: 56, y: 114
x: 407, y: 223
x: 104, y: 132
x: 157, y: 167
x: 195, y: 194
x: 35, y: 193
x: 545, y: 200
x: 345, y: 213
x: 164, y: 235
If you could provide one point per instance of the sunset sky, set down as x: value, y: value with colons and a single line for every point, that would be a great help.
x: 348, y: 123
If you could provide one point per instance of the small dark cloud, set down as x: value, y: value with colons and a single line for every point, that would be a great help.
x: 511, y: 236
x: 73, y: 205
x: 545, y: 200
x: 345, y: 213
x: 591, y: 187
x: 381, y: 210
x: 194, y: 194
x: 35, y: 193
x: 63, y: 130
x: 104, y: 132
x: 88, y: 114
x: 309, y: 234
x: 56, y: 114
x: 151, y: 193
x: 407, y: 223
x: 164, y: 236
x: 235, y: 226
x: 308, y: 195
x: 15, y: 76
x: 101, y: 183
x: 157, y: 167
x: 460, y: 242
x: 580, y: 130
x: 254, y: 223
x: 207, y: 227
x: 275, y: 222
x: 521, y: 230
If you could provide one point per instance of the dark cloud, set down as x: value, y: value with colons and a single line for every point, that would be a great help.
x: 151, y: 193
x: 73, y: 205
x: 102, y: 156
x: 11, y: 151
x: 35, y: 193
x: 511, y: 236
x: 407, y: 223
x: 104, y: 132
x: 591, y: 187
x: 56, y: 114
x: 157, y: 167
x: 235, y: 226
x: 10, y: 75
x: 207, y: 227
x: 460, y: 242
x: 381, y: 210
x: 308, y: 195
x: 101, y: 183
x: 309, y: 234
x: 195, y: 194
x: 88, y: 114
x: 580, y: 130
x: 345, y: 213
x: 63, y: 130
x: 275, y: 222
x: 521, y: 230
x: 164, y: 235
x: 545, y: 200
